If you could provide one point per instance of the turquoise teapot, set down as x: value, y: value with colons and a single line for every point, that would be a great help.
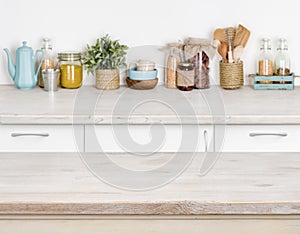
x: 23, y: 73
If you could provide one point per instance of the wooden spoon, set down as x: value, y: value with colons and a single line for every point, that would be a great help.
x: 223, y: 50
x: 219, y: 34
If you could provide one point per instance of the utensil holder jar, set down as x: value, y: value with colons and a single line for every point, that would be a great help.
x: 231, y: 75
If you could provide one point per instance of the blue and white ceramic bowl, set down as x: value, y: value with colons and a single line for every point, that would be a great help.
x: 133, y: 74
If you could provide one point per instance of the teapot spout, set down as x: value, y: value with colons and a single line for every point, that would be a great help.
x: 39, y: 64
x: 11, y: 65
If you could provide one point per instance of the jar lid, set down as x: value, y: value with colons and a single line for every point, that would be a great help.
x: 69, y: 55
x: 145, y: 63
x: 282, y: 44
x: 174, y: 45
x: 197, y: 41
x: 265, y: 44
x: 46, y: 43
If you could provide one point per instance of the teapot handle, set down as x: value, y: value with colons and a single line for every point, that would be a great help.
x: 40, y: 63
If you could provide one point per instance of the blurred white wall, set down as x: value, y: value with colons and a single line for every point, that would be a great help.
x: 73, y: 23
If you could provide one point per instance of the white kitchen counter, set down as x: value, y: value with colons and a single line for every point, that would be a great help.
x: 239, y: 183
x: 88, y: 105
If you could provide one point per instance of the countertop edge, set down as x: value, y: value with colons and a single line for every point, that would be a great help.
x: 119, y: 120
x: 211, y: 106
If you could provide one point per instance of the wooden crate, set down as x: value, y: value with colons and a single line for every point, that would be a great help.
x: 275, y: 82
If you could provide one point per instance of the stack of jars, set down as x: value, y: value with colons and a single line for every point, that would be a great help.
x: 68, y: 66
x: 187, y: 65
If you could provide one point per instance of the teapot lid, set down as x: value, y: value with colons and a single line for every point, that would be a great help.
x: 24, y: 47
x: 24, y: 44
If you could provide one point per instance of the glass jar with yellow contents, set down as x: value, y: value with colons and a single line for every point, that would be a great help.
x: 70, y: 69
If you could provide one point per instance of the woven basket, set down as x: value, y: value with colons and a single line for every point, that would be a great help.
x: 231, y: 75
x: 107, y: 79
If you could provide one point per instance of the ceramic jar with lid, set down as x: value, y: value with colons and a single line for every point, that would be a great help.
x: 71, y: 69
x: 145, y: 65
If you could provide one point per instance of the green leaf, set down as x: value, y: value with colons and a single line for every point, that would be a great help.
x: 104, y: 54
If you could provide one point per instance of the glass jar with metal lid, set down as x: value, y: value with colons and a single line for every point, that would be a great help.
x: 71, y: 69
x: 185, y: 76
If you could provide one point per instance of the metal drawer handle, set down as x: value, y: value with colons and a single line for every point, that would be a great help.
x: 281, y: 134
x: 30, y: 134
x: 205, y: 140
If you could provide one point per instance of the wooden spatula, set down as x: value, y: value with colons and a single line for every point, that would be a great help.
x: 223, y: 50
x: 219, y: 34
x: 242, y: 36
x: 237, y: 53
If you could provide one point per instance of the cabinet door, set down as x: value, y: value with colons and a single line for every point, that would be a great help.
x: 41, y: 138
x: 257, y: 138
x: 148, y: 138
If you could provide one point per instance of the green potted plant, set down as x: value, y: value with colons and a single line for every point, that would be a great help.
x: 105, y: 57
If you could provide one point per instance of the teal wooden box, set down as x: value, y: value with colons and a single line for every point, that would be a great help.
x: 279, y: 82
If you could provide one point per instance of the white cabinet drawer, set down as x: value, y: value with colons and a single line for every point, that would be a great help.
x: 40, y: 138
x: 139, y: 138
x: 258, y: 138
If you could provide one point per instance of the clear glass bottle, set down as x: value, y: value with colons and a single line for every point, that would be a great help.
x: 70, y: 69
x: 48, y: 60
x: 185, y: 76
x: 265, y: 59
x: 282, y: 60
x: 171, y: 72
x: 202, y: 71
x: 171, y: 66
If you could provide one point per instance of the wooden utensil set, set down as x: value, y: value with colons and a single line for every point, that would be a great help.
x: 231, y: 42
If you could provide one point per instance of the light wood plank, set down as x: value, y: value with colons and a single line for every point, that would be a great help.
x: 239, y: 183
x: 149, y: 226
